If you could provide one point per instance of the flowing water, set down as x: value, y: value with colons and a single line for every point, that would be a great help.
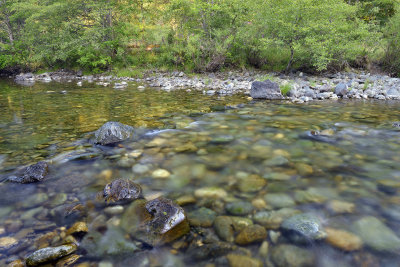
x: 262, y: 162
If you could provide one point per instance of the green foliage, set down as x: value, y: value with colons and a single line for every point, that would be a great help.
x: 198, y: 35
x: 285, y: 89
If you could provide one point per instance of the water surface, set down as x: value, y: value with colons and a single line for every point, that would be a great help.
x: 338, y: 161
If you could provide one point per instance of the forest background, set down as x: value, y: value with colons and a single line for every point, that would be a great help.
x: 124, y: 36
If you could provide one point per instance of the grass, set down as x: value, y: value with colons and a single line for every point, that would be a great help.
x: 285, y: 89
x: 129, y: 72
x: 366, y: 84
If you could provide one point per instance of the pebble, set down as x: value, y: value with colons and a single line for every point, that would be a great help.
x: 303, y: 228
x: 239, y: 208
x: 279, y: 200
x: 160, y: 174
x: 376, y: 234
x: 114, y: 210
x: 7, y: 242
x: 49, y: 254
x: 340, y: 207
x: 210, y: 192
x: 292, y: 256
x: 201, y: 217
x: 342, y: 239
x: 237, y: 260
x: 251, y: 234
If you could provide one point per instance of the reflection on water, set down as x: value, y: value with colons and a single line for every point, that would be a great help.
x: 235, y: 172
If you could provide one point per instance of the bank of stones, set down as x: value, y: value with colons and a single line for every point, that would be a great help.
x: 297, y: 87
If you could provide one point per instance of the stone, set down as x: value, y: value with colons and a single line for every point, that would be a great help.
x: 292, y: 256
x: 304, y: 169
x: 239, y: 208
x: 7, y: 242
x: 237, y: 260
x: 31, y: 174
x: 303, y: 228
x: 342, y: 239
x: 202, y: 217
x: 114, y: 210
x: 340, y: 207
x: 49, y: 254
x: 16, y: 263
x: 226, y: 226
x: 251, y: 234
x: 155, y: 222
x: 396, y: 124
x: 68, y: 261
x: 279, y: 200
x: 376, y: 235
x: 252, y: 183
x: 341, y: 89
x: 265, y: 90
x: 274, y: 219
x: 388, y: 186
x: 110, y: 243
x: 113, y: 132
x: 393, y: 92
x: 77, y: 228
x: 122, y: 190
x: 160, y: 174
x: 210, y: 192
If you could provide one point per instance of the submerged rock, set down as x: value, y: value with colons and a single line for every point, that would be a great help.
x: 292, y: 256
x: 239, y: 208
x: 376, y: 234
x: 49, y: 254
x: 227, y: 226
x: 113, y: 132
x: 237, y: 260
x: 202, y: 217
x: 343, y: 240
x: 303, y: 228
x: 396, y: 124
x: 155, y: 222
x: 111, y: 243
x: 122, y: 190
x: 251, y: 234
x: 31, y: 174
x: 265, y: 90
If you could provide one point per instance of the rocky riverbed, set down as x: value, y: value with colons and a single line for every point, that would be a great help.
x: 298, y: 87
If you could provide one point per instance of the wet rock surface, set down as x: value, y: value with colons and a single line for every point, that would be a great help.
x: 376, y: 234
x: 49, y: 254
x: 303, y: 228
x: 122, y: 190
x: 113, y: 132
x: 292, y: 256
x: 31, y: 174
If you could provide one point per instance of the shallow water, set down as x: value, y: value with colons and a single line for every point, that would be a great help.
x: 337, y: 160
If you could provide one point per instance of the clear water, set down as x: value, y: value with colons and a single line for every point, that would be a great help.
x: 250, y: 150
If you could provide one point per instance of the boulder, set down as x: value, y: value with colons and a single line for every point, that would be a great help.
x: 265, y: 90
x: 122, y: 190
x: 30, y: 174
x: 341, y: 89
x: 113, y: 132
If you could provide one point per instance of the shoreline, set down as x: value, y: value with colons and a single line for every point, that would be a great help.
x: 297, y: 88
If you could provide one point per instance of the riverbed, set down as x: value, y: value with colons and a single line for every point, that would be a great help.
x: 251, y: 176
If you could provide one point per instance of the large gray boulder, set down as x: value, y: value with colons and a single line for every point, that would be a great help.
x: 341, y: 89
x: 265, y: 90
x: 113, y: 132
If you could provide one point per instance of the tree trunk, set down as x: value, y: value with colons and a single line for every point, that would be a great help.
x: 289, y: 65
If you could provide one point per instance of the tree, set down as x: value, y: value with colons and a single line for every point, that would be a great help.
x: 324, y: 30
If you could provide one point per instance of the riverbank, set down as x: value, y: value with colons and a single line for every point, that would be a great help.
x: 298, y: 87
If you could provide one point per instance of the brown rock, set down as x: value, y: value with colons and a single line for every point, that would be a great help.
x: 78, y: 228
x: 339, y: 207
x: 342, y: 239
x: 251, y: 234
x: 236, y: 260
